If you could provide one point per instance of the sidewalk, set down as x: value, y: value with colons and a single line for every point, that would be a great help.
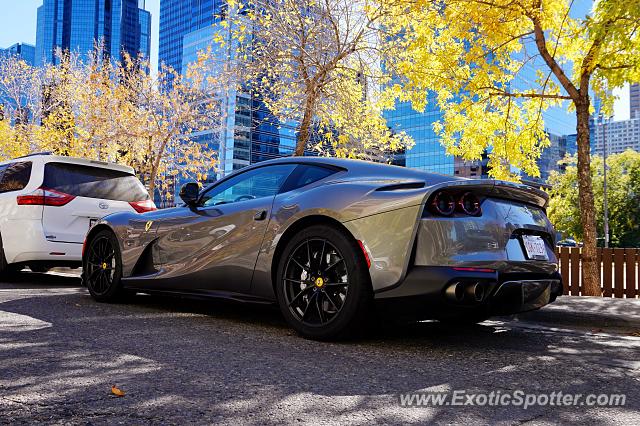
x: 588, y: 312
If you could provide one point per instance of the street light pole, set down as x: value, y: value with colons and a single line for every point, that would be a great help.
x: 604, y: 188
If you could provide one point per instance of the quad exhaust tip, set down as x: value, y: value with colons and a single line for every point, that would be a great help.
x: 455, y: 292
x: 474, y: 292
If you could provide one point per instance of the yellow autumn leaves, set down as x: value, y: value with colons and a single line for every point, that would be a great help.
x: 316, y: 63
x: 162, y: 125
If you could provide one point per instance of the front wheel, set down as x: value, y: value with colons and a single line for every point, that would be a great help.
x: 323, y: 285
x: 102, y: 268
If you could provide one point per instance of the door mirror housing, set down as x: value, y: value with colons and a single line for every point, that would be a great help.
x: 189, y: 193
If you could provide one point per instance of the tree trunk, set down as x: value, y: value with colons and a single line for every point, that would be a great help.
x: 590, y: 267
x: 152, y: 184
x: 305, y: 126
x: 153, y: 169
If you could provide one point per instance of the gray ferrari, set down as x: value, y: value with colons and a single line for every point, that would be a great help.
x: 332, y: 240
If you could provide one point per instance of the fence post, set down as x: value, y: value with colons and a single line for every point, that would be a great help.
x: 607, y: 261
x: 575, y: 271
x: 618, y: 272
x: 564, y: 269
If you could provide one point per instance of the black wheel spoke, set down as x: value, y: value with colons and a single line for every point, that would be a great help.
x: 319, y: 307
x: 297, y: 281
x: 321, y: 258
x: 333, y: 265
x: 93, y: 273
x: 302, y: 292
x: 331, y: 301
x: 306, y: 309
x: 336, y: 284
x: 304, y: 268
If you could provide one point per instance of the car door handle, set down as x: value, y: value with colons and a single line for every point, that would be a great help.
x: 261, y: 215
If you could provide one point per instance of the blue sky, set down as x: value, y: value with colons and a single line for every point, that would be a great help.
x: 18, y: 23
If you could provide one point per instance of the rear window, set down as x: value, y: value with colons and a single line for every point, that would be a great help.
x: 15, y: 176
x: 93, y: 182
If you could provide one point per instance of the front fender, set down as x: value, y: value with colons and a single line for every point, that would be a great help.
x: 133, y: 231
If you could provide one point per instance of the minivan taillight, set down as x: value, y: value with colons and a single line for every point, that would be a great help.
x: 143, y: 206
x: 45, y: 197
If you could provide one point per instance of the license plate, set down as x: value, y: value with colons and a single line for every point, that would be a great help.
x: 92, y: 222
x: 535, y: 247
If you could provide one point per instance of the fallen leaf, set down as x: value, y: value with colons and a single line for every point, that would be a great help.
x: 116, y: 391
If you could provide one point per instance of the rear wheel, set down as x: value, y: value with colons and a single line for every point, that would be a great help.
x: 103, y: 268
x: 323, y: 285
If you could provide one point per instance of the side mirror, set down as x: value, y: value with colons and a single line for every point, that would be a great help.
x: 189, y: 193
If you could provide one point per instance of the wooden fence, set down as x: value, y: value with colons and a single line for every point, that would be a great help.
x: 620, y: 271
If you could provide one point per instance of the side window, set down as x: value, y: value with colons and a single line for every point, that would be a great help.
x: 15, y: 176
x: 256, y: 183
x: 306, y: 174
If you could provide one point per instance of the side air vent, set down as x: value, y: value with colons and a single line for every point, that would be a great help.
x: 402, y: 186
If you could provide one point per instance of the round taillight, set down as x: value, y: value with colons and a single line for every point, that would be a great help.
x: 469, y: 204
x: 443, y: 204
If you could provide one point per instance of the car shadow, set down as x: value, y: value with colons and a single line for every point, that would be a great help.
x: 220, y: 359
x: 27, y: 279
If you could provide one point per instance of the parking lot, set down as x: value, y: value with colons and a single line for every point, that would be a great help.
x: 206, y: 362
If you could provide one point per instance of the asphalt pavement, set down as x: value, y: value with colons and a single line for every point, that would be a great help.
x: 181, y: 361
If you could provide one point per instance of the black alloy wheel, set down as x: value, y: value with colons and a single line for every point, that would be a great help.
x: 103, y: 268
x: 323, y: 285
x: 316, y: 282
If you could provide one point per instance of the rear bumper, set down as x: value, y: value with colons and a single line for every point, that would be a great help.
x: 436, y: 292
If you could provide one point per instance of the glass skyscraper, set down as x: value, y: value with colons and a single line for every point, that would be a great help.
x: 24, y: 51
x: 180, y: 17
x: 429, y: 155
x: 250, y: 133
x: 77, y: 25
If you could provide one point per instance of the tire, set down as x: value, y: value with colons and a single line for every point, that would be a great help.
x: 102, y: 268
x: 323, y: 285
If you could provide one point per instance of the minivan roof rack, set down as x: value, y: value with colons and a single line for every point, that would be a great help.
x: 36, y: 153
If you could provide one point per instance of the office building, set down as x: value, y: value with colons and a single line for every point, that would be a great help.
x: 250, y: 133
x: 618, y: 135
x: 428, y: 154
x: 78, y: 26
x: 634, y: 99
x: 24, y: 51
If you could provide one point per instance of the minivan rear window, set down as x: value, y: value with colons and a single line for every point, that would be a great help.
x: 93, y: 182
x: 15, y: 176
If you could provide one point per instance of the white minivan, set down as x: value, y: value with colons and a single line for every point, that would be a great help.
x: 48, y: 203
